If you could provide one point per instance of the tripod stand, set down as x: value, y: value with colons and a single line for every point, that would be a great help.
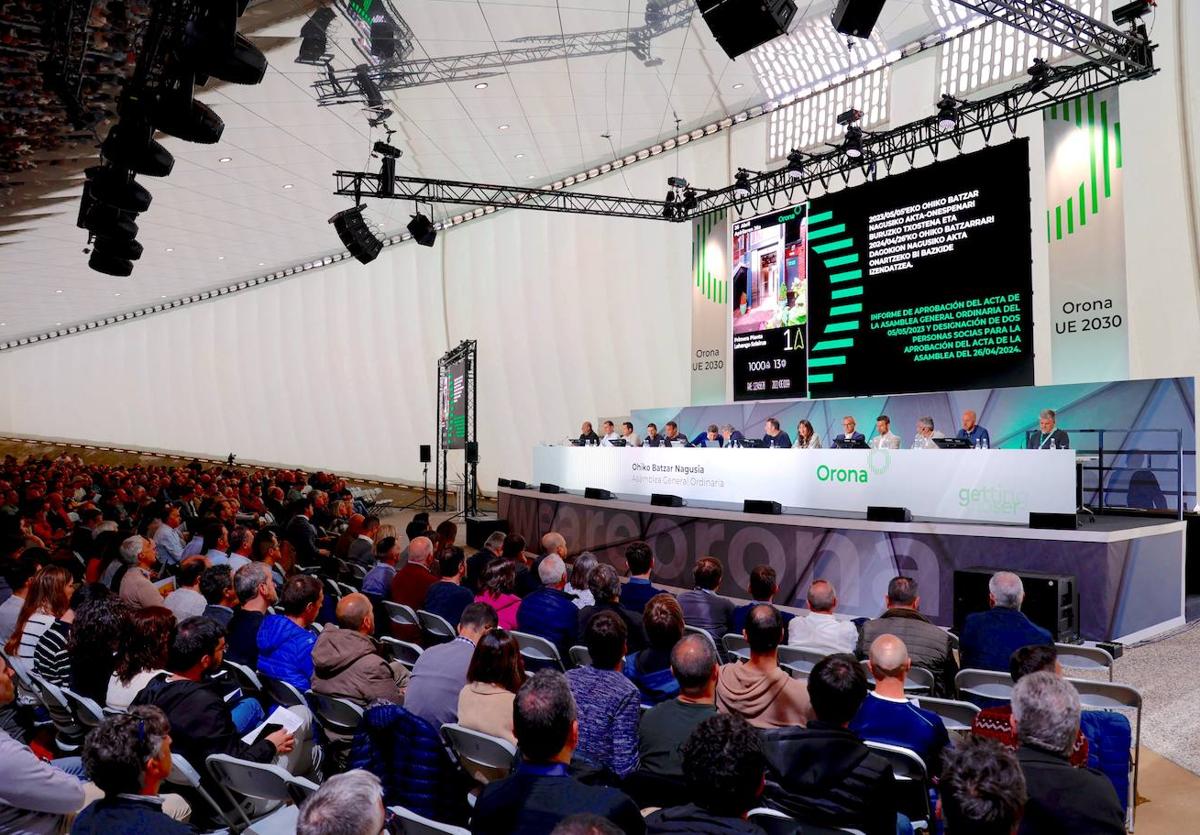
x: 422, y: 502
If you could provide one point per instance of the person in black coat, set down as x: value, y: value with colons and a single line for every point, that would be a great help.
x: 541, y: 792
x: 1048, y: 436
x: 1062, y: 798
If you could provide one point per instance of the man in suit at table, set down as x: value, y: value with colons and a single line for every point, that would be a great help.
x: 775, y: 438
x: 885, y: 437
x: 1049, y: 436
x: 849, y: 432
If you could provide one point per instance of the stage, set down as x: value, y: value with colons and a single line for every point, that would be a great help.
x: 1129, y: 571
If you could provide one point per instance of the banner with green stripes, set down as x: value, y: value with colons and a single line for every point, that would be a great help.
x: 710, y: 301
x: 1085, y: 233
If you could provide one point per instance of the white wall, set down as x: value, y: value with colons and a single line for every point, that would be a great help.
x: 575, y: 316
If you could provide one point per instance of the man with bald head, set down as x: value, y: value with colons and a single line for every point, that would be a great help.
x: 411, y: 583
x: 666, y: 726
x: 972, y: 432
x: 347, y: 661
x: 821, y: 631
x: 887, y: 716
x: 552, y: 543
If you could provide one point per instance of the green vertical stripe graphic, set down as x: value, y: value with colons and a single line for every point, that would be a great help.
x: 1049, y: 236
x: 1091, y: 117
x: 1117, y: 141
x: 1078, y: 112
x: 1104, y: 129
x: 1058, y: 223
x: 1082, y: 207
x: 1070, y: 215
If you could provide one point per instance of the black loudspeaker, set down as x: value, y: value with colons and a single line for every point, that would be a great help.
x: 479, y: 528
x: 888, y: 514
x: 472, y: 452
x: 665, y: 500
x: 517, y: 484
x: 597, y: 493
x: 383, y: 39
x: 856, y: 17
x: 356, y: 235
x: 1053, y: 521
x: 547, y: 487
x: 762, y: 506
x: 426, y: 454
x: 740, y: 25
x: 503, y: 482
x: 1051, y: 600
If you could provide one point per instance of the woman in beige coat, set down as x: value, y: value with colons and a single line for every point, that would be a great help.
x: 493, y: 678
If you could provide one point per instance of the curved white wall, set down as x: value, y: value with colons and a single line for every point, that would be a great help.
x: 575, y: 316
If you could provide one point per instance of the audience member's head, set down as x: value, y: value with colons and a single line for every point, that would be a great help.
x: 982, y: 788
x: 49, y: 593
x: 253, y: 583
x: 554, y: 543
x: 20, y: 572
x: 346, y: 804
x: 497, y: 660
x: 189, y: 573
x: 837, y: 687
x: 451, y: 562
x: 707, y: 574
x: 414, y: 529
x: 494, y: 544
x: 586, y: 823
x: 146, y: 642
x: 197, y: 645
x: 354, y: 612
x: 1045, y: 709
x: 582, y: 569
x: 137, y: 550
x: 499, y: 577
x: 216, y: 584
x: 552, y: 571
x: 99, y: 629
x: 822, y: 597
x: 902, y: 593
x: 215, y: 537
x: 266, y: 547
x: 130, y: 753
x: 544, y: 718
x: 420, y: 551
x: 764, y: 583
x: 370, y: 527
x: 764, y: 629
x: 387, y: 550
x: 888, y: 658
x: 477, y: 619
x: 694, y: 664
x: 640, y: 559
x: 662, y: 620
x: 301, y: 598
x: 514, y: 547
x: 1033, y: 659
x: 605, y: 638
x: 1005, y: 590
x: 604, y: 584
x: 724, y: 765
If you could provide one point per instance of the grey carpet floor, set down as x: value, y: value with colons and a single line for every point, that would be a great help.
x: 1167, y: 672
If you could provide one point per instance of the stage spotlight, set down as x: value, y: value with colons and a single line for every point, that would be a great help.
x: 353, y: 231
x: 669, y: 205
x: 131, y: 144
x: 422, y: 230
x: 386, y: 150
x: 849, y: 117
x: 117, y: 188
x: 103, y: 262
x: 1040, y: 74
x: 795, y: 165
x: 126, y: 248
x: 852, y: 146
x: 741, y: 184
x: 1131, y: 12
x: 689, y: 200
x: 212, y: 41
x: 947, y: 113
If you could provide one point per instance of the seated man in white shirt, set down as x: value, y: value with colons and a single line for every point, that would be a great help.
x: 631, y: 438
x: 608, y: 433
x: 926, y: 434
x: 885, y: 438
x: 820, y: 630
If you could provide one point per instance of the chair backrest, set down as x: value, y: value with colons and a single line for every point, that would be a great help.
x: 246, y: 677
x: 911, y: 777
x: 183, y: 774
x: 341, y: 716
x: 358, y: 572
x: 955, y: 715
x: 580, y: 656
x: 436, y: 627
x: 987, y: 684
x: 537, y: 649
x: 918, y: 679
x: 332, y: 589
x: 798, y: 659
x: 405, y: 652
x: 87, y: 713
x: 413, y: 824
x: 346, y: 589
x: 696, y: 630
x: 484, y: 757
x: 242, y: 778
x: 400, y: 614
x: 20, y: 672
x: 68, y: 730
x: 736, y: 645
x: 1075, y: 657
x: 281, y: 692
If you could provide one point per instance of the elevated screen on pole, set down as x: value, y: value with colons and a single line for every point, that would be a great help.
x: 453, y: 406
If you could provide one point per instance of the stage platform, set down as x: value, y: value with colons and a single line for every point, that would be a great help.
x: 1129, y: 571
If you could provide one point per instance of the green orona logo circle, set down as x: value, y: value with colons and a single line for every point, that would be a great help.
x: 840, y: 475
x: 879, y: 460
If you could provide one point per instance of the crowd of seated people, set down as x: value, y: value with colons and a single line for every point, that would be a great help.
x: 660, y: 716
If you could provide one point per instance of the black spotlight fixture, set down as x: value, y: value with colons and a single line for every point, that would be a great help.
x: 669, y: 205
x: 116, y: 187
x: 690, y: 200
x: 385, y: 150
x: 216, y: 48
x: 177, y: 112
x: 741, y: 184
x: 356, y: 235
x: 130, y: 143
x: 947, y: 113
x: 422, y: 230
x: 1040, y: 75
x: 1131, y: 12
x: 795, y: 165
x: 852, y: 146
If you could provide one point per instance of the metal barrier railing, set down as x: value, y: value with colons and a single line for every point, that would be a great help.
x: 1111, y: 445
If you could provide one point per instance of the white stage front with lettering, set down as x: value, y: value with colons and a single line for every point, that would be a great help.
x: 995, y: 485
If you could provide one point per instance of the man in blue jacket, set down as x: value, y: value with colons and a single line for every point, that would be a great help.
x: 285, y: 642
x: 550, y: 612
x: 990, y: 638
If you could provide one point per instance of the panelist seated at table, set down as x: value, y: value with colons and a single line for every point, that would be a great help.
x: 709, y: 437
x: 672, y: 436
x: 926, y: 434
x: 884, y: 438
x: 1049, y: 435
x: 587, y: 434
x: 849, y: 432
x: 629, y: 436
x: 608, y: 433
x: 775, y: 437
x: 730, y: 437
x: 652, y: 437
x: 806, y: 436
x: 972, y: 432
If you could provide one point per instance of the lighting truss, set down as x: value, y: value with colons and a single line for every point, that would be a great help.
x: 345, y: 87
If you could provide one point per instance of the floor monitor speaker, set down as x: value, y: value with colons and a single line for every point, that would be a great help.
x: 1051, y: 600
x: 479, y: 528
x: 877, y: 513
x: 1053, y: 521
x: 762, y: 506
x: 597, y: 493
x: 665, y: 500
x: 547, y: 487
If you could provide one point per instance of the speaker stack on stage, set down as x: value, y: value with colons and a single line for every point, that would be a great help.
x: 1051, y: 600
x: 739, y: 26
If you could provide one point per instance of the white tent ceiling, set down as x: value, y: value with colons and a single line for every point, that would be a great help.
x: 259, y: 200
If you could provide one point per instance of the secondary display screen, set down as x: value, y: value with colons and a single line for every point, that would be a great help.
x: 770, y: 305
x: 920, y: 281
x: 454, y: 405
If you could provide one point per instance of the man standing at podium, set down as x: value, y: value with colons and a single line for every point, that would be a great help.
x: 848, y: 431
x: 776, y: 438
x: 972, y: 432
x: 1050, y: 436
x: 885, y: 437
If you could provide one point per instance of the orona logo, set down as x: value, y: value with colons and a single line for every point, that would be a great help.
x: 841, y: 475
